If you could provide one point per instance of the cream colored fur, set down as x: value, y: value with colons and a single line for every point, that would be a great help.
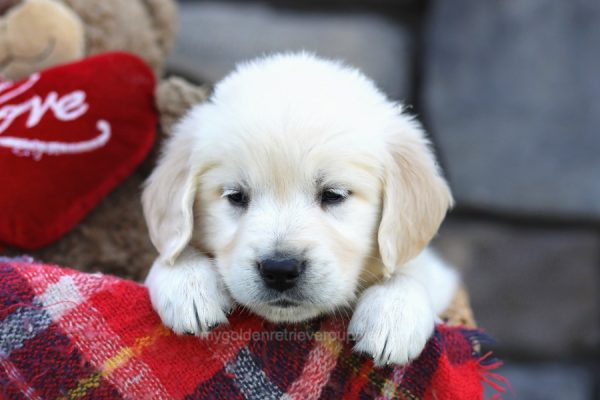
x: 283, y: 129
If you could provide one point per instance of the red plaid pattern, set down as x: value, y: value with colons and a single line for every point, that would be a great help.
x: 69, y: 335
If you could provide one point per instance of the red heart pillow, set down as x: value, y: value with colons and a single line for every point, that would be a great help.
x: 68, y: 136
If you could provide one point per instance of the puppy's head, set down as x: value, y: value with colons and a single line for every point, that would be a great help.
x: 302, y: 182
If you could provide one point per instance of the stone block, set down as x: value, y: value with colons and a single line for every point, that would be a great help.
x: 535, y: 289
x: 547, y: 382
x: 512, y: 96
x: 215, y: 36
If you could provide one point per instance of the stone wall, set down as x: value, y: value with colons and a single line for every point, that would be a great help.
x: 510, y: 93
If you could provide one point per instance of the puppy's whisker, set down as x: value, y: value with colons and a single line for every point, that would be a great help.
x: 346, y: 311
x: 369, y: 272
x: 378, y: 259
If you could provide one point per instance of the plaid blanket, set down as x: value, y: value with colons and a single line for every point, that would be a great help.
x: 69, y: 335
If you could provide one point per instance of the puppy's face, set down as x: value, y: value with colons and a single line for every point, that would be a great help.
x: 290, y: 220
x: 301, y: 181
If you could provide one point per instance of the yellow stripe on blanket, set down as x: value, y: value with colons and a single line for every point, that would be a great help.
x: 116, y: 361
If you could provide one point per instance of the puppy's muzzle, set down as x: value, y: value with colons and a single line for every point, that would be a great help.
x: 281, y: 273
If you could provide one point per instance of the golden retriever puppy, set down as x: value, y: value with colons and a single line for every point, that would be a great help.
x: 299, y: 189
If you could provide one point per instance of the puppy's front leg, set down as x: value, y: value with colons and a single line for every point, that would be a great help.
x: 393, y: 320
x: 187, y: 295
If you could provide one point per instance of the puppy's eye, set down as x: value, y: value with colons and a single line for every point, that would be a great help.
x: 236, y: 197
x: 334, y: 196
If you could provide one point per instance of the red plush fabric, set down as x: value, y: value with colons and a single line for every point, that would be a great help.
x: 66, y: 334
x: 68, y: 136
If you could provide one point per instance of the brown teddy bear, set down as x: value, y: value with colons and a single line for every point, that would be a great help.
x: 37, y: 34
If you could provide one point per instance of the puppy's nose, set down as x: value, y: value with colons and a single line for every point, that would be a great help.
x: 281, y: 273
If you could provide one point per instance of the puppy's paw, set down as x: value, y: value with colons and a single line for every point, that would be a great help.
x: 392, y: 323
x: 187, y: 296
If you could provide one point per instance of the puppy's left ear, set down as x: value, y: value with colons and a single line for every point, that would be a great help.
x: 415, y: 195
x: 168, y: 196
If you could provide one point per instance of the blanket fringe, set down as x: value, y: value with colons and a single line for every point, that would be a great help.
x: 487, y: 365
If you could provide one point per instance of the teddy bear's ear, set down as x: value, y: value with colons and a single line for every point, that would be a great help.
x: 44, y: 33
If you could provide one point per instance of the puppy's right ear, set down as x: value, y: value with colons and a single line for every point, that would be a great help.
x: 416, y: 197
x: 168, y: 197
